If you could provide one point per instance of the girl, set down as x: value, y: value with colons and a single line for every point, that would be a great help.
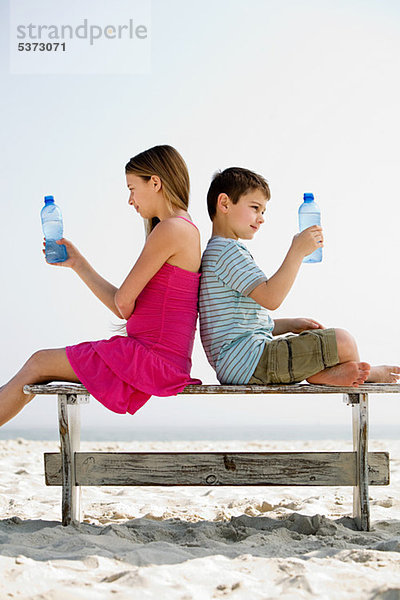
x: 158, y: 298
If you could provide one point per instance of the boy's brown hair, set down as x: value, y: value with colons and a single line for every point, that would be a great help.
x: 234, y: 182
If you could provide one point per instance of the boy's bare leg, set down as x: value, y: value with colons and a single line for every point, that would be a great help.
x: 42, y: 367
x: 354, y: 373
x: 350, y: 371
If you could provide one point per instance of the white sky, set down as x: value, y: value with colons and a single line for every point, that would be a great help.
x: 306, y: 93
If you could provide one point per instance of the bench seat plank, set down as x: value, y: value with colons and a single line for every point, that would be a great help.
x: 296, y: 388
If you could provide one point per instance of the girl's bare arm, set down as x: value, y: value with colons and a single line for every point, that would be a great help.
x: 163, y: 242
x: 101, y: 288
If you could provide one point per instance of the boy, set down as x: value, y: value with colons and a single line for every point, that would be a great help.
x: 238, y: 334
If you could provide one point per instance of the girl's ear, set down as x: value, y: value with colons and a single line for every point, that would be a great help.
x: 156, y: 183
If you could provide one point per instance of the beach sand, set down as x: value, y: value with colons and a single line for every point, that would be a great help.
x: 195, y: 542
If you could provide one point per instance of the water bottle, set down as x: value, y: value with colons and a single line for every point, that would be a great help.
x: 52, y: 225
x: 310, y: 214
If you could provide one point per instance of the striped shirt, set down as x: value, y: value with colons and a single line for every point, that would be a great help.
x: 233, y: 327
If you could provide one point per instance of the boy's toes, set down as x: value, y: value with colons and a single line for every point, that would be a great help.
x: 364, y: 369
x: 395, y: 372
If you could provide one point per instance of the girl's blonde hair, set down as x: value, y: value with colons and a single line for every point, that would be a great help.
x: 169, y: 166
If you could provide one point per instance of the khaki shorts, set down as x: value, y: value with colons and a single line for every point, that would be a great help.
x: 293, y: 358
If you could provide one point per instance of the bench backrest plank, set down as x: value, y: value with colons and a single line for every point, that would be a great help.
x: 218, y: 468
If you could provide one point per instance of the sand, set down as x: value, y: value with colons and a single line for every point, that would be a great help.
x: 195, y: 543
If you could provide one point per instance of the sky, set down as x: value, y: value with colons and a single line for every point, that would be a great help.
x: 305, y: 93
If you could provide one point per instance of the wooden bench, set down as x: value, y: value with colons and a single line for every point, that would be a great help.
x: 73, y: 469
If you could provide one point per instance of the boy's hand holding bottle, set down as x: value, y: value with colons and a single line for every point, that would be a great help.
x: 308, y: 240
x: 310, y: 214
x: 306, y: 246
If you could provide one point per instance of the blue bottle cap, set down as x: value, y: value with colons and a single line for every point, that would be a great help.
x: 308, y: 197
x: 48, y: 199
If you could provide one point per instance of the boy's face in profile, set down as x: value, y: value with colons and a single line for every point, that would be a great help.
x: 246, y: 217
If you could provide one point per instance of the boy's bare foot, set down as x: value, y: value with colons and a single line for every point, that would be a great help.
x: 384, y: 374
x: 349, y: 374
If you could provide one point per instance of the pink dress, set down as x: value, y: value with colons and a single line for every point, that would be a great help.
x: 155, y: 357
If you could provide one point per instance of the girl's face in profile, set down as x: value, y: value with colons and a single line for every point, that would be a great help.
x: 142, y: 194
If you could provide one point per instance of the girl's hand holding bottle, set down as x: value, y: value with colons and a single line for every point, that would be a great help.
x: 75, y: 258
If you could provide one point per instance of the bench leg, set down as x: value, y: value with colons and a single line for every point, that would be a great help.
x: 360, y: 446
x: 69, y: 425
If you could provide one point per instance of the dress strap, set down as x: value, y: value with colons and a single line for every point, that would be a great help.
x: 179, y: 217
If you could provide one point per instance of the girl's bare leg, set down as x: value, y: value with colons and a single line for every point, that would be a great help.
x: 42, y: 367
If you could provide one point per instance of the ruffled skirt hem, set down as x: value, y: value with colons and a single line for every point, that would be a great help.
x: 123, y: 374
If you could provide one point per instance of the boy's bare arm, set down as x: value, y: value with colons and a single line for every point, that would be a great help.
x: 270, y: 294
x: 282, y: 326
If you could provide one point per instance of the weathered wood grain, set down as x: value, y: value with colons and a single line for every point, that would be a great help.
x: 298, y: 388
x: 66, y: 460
x: 361, y: 510
x: 76, y: 392
x: 69, y: 427
x: 218, y: 468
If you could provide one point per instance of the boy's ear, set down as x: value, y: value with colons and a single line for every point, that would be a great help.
x: 223, y: 201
